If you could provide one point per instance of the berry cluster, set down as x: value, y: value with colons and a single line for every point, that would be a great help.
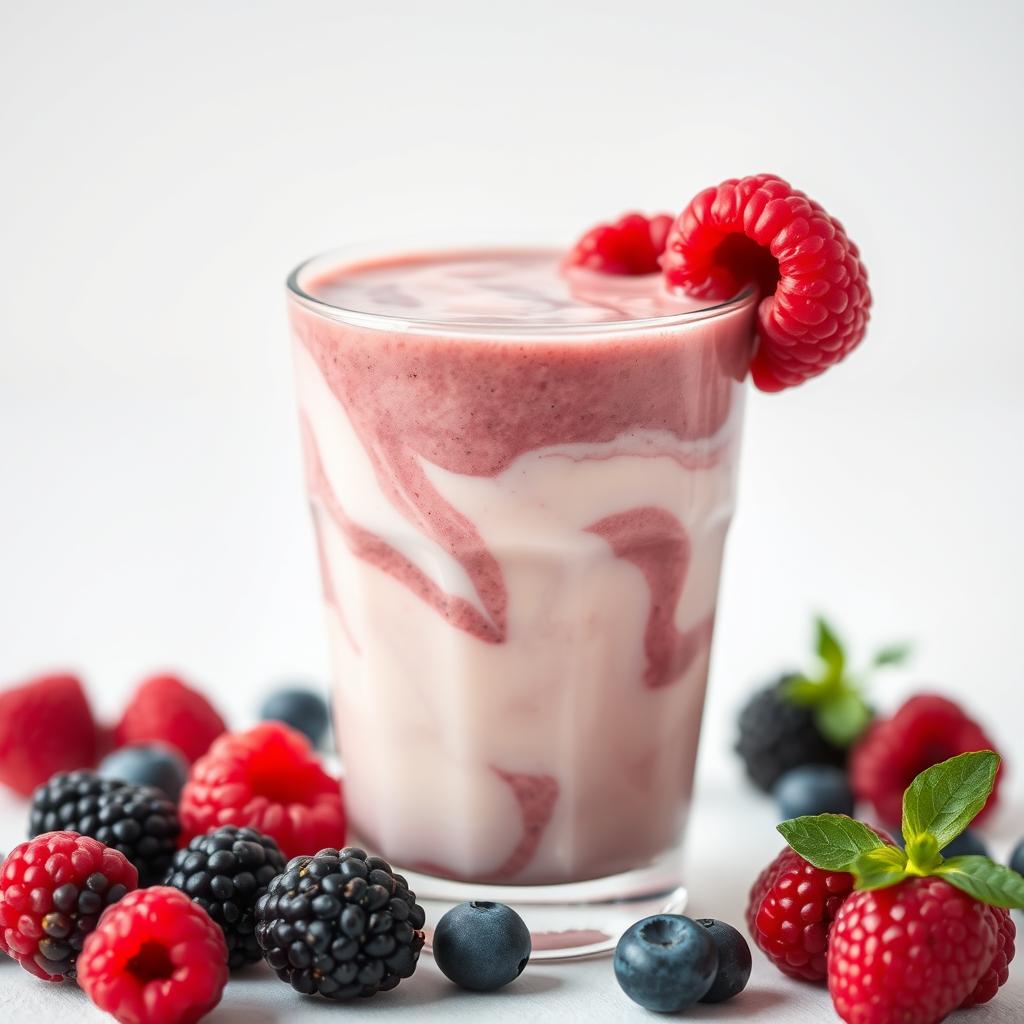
x: 900, y: 934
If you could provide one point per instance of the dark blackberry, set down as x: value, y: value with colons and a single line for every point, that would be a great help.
x: 226, y: 871
x: 340, y: 924
x: 139, y: 821
x: 776, y: 735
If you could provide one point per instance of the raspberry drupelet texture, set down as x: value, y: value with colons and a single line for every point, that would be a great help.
x: 631, y: 245
x: 340, y: 924
x: 46, y: 726
x: 167, y: 710
x: 52, y: 891
x: 138, y: 821
x: 155, y: 958
x: 928, y: 729
x: 760, y: 230
x: 910, y: 954
x: 225, y: 872
x: 998, y: 973
x: 790, y: 913
x: 266, y: 778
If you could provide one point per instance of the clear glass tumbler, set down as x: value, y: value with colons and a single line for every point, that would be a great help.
x: 520, y: 531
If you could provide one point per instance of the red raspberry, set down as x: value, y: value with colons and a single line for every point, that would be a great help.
x: 791, y: 910
x: 266, y: 778
x: 46, y: 726
x: 759, y: 229
x: 998, y: 972
x: 908, y: 955
x: 631, y: 245
x: 166, y: 709
x: 52, y: 890
x: 926, y: 730
x: 155, y: 958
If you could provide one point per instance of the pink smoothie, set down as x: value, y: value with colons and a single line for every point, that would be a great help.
x: 521, y: 482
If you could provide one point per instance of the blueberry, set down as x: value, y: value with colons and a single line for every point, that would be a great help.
x: 666, y: 962
x: 147, y: 764
x: 1017, y: 858
x: 734, y: 961
x: 481, y: 946
x: 967, y: 844
x: 813, y: 789
x: 301, y: 709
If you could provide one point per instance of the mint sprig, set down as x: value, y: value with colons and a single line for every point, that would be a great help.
x: 944, y: 799
x: 937, y: 807
x: 834, y: 694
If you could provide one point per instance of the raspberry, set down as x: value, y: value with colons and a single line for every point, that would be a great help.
x: 340, y: 924
x: 631, y: 245
x: 760, y: 230
x: 266, y: 778
x: 46, y: 726
x: 155, y: 958
x: 137, y: 821
x: 910, y: 954
x: 791, y: 909
x: 927, y: 730
x: 163, y: 708
x: 52, y: 890
x: 226, y: 871
x: 998, y: 972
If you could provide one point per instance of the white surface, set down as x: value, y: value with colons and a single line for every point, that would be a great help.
x: 162, y: 168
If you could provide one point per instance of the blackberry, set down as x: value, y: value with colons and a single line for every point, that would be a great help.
x: 776, y: 735
x: 340, y: 924
x: 139, y: 821
x: 226, y: 871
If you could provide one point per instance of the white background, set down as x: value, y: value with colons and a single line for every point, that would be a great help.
x: 163, y: 166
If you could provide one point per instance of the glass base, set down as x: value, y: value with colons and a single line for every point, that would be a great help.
x: 568, y: 921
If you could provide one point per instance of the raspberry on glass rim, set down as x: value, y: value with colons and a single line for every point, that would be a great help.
x: 756, y: 230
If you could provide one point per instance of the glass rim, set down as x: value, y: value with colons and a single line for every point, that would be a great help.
x: 405, y: 324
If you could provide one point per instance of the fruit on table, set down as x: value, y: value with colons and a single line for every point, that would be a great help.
x: 302, y: 709
x: 147, y: 764
x: 813, y: 789
x: 666, y: 962
x: 481, y: 946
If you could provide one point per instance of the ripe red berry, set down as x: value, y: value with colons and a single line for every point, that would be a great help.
x: 155, y: 958
x: 631, y: 245
x: 908, y: 955
x: 167, y: 710
x: 760, y: 230
x: 266, y: 778
x: 52, y: 891
x: 998, y: 972
x: 927, y: 730
x: 790, y: 913
x: 46, y: 726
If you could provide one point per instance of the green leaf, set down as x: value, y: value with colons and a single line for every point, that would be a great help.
x: 985, y: 880
x: 895, y: 654
x: 843, y: 717
x: 803, y: 691
x: 831, y: 842
x: 880, y: 869
x: 947, y: 797
x: 829, y: 649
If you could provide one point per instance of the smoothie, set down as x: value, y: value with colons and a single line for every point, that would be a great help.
x: 521, y: 478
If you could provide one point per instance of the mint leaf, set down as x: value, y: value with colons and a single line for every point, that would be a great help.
x: 831, y: 842
x: 985, y: 880
x: 803, y: 691
x: 895, y: 654
x: 947, y: 797
x: 842, y: 718
x: 829, y: 649
x: 880, y: 869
